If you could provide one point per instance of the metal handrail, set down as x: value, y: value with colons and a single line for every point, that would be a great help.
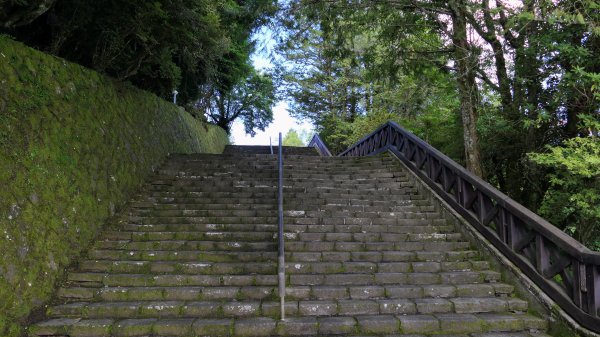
x: 318, y: 143
x: 281, y: 254
x: 566, y: 270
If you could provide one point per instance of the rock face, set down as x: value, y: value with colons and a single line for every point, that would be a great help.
x: 366, y: 254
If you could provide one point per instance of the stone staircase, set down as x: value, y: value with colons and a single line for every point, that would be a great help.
x: 259, y: 149
x: 195, y: 254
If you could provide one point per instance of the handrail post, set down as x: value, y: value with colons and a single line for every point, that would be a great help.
x: 281, y: 255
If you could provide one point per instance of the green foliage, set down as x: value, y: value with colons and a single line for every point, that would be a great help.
x: 74, y: 146
x: 292, y: 138
x: 572, y: 202
x: 21, y: 12
x: 157, y: 45
x: 250, y: 100
x: 348, y: 69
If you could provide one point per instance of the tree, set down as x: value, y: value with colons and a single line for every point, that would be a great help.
x: 467, y: 86
x: 345, y: 61
x: 14, y: 13
x: 157, y: 45
x: 292, y: 138
x: 572, y: 202
x: 250, y: 100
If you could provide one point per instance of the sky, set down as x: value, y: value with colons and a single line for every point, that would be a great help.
x: 282, y: 121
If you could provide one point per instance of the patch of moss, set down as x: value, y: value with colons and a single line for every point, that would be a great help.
x: 74, y: 146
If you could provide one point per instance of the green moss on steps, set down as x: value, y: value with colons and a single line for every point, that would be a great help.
x: 74, y: 146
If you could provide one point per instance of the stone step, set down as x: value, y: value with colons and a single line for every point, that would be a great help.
x: 288, y: 160
x: 412, y: 219
x: 177, y: 216
x: 397, y: 278
x: 208, y: 247
x: 303, y: 225
x: 372, y: 232
x: 178, y: 209
x: 293, y: 241
x: 289, y: 190
x: 305, y: 232
x: 327, y: 246
x: 293, y: 177
x: 300, y: 326
x: 349, y: 279
x: 230, y: 199
x: 204, y: 232
x: 274, y: 174
x: 85, y: 280
x: 270, y: 198
x: 264, y: 149
x: 242, y: 288
x: 269, y: 307
x: 252, y: 179
x: 263, y: 263
x: 365, y: 226
x: 196, y: 168
x: 199, y: 246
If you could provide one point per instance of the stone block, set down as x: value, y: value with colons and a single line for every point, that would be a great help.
x: 433, y: 305
x: 460, y: 323
x: 173, y: 327
x: 408, y: 291
x: 241, y: 309
x: 364, y: 292
x: 317, y: 308
x: 91, y: 327
x: 358, y: 307
x: 133, y: 327
x: 336, y: 325
x: 397, y: 306
x: 378, y: 324
x: 254, y: 327
x: 213, y: 327
x: 419, y: 324
x: 297, y: 326
x: 439, y: 291
x: 329, y: 292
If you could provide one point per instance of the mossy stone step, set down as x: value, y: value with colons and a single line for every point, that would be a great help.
x: 258, y: 180
x: 381, y: 255
x: 262, y: 302
x: 302, y: 326
x: 181, y: 216
x: 175, y: 245
x: 181, y: 209
x: 395, y: 278
x: 244, y: 288
x: 242, y: 265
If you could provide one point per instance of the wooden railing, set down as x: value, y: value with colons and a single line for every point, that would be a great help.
x: 317, y: 143
x: 562, y: 267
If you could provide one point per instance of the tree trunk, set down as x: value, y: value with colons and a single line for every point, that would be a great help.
x: 467, y: 87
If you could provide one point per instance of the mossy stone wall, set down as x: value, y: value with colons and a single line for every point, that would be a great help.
x: 74, y: 146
